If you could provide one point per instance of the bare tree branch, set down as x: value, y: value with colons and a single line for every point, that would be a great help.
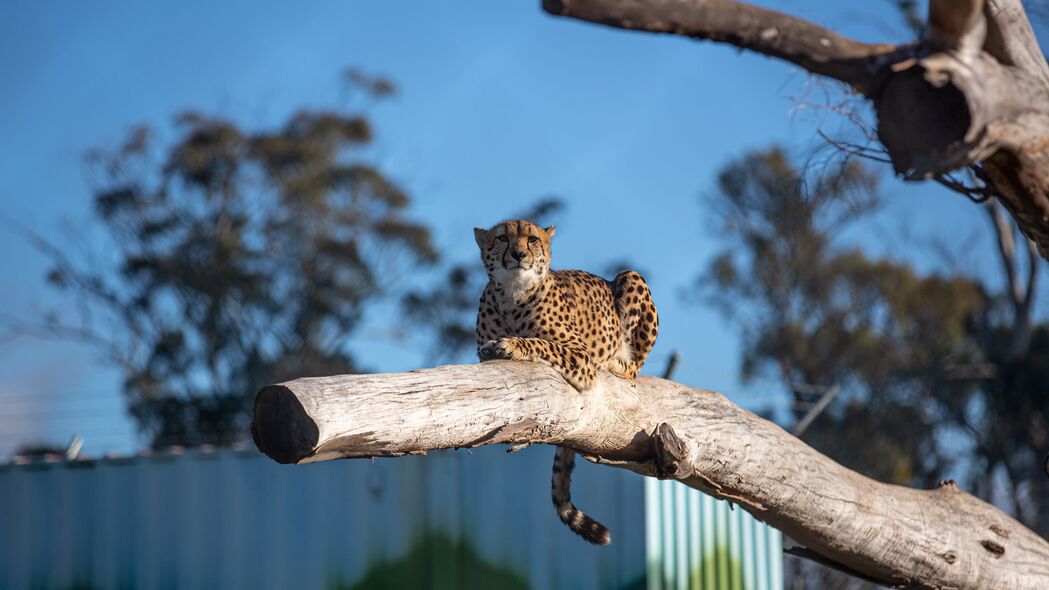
x: 1021, y: 291
x: 668, y: 371
x: 974, y: 92
x: 1023, y: 322
x: 1010, y: 38
x: 1003, y: 229
x: 814, y: 412
x: 957, y: 24
x: 765, y: 31
x: 976, y: 194
x: 917, y: 538
x: 1033, y: 264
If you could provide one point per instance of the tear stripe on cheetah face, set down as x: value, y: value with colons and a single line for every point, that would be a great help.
x: 577, y: 322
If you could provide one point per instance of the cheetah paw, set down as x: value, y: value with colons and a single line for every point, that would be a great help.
x: 504, y: 348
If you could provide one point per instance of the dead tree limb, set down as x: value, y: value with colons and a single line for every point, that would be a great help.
x: 919, y: 538
x: 973, y: 92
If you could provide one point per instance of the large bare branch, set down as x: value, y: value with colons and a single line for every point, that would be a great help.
x: 975, y: 91
x: 765, y: 31
x: 919, y: 538
x: 1010, y: 38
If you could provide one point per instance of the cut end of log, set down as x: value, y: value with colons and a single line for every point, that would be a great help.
x: 282, y: 429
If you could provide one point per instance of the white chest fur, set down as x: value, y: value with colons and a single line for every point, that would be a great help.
x: 517, y: 284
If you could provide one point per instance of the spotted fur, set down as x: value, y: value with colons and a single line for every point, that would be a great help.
x: 578, y: 322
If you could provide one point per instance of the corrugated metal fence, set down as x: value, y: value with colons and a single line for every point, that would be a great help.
x: 696, y: 542
x: 239, y: 520
x: 447, y: 521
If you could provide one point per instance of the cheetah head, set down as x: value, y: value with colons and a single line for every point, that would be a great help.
x: 515, y: 251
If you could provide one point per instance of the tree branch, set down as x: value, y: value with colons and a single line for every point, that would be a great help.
x: 900, y: 536
x: 1033, y: 262
x: 1022, y: 323
x: 957, y: 24
x: 814, y: 412
x: 1021, y: 292
x: 765, y: 31
x: 1010, y: 38
x: 1003, y: 229
x: 975, y: 91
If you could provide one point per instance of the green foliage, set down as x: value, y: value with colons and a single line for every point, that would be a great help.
x: 240, y: 257
x: 717, y: 570
x: 437, y: 562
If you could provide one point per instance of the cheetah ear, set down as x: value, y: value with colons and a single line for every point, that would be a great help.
x: 480, y: 236
x: 550, y: 232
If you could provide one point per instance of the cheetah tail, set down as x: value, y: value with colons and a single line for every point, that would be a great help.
x: 561, y: 490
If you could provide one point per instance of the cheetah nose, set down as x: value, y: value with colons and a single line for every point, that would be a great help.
x: 517, y: 255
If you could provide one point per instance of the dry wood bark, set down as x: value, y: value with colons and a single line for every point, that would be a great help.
x: 973, y: 93
x: 940, y: 538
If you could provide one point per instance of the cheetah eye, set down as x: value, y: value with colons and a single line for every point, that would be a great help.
x: 501, y: 238
x: 532, y: 239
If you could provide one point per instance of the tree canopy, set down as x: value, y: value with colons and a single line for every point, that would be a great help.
x: 938, y: 372
x: 239, y: 257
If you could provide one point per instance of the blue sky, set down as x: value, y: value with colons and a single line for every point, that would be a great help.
x: 499, y: 104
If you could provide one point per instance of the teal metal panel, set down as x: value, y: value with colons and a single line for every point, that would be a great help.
x: 237, y: 520
x: 695, y: 542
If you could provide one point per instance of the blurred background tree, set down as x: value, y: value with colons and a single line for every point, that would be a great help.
x: 919, y: 372
x: 240, y: 257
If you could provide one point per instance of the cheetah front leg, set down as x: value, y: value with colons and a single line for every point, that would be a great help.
x: 576, y: 365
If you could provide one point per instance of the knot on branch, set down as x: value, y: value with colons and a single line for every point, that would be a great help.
x: 995, y: 549
x: 671, y: 454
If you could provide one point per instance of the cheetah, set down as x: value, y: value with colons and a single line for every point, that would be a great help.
x: 573, y: 320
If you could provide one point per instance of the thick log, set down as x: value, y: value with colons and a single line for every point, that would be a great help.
x: 936, y: 538
x: 973, y: 94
